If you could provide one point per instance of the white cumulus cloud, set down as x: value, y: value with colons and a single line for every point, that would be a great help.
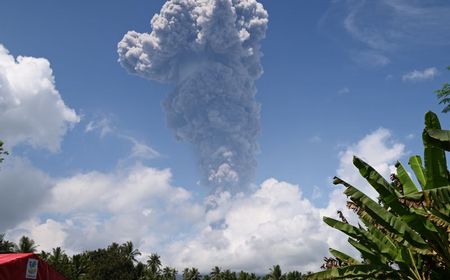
x: 31, y: 108
x: 273, y: 224
x: 377, y: 149
x: 23, y: 189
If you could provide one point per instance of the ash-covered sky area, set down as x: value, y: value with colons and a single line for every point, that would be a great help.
x: 153, y: 121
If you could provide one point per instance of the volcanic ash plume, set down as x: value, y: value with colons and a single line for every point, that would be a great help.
x: 211, y: 50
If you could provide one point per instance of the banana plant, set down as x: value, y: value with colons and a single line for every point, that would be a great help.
x: 406, y: 233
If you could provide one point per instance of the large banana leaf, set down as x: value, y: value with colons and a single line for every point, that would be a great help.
x: 410, y: 268
x: 384, y: 244
x: 355, y: 271
x: 439, y: 138
x: 415, y: 162
x: 361, y: 243
x: 435, y: 162
x: 396, y: 252
x: 408, y: 185
x: 440, y: 220
x: 344, y: 227
x: 438, y: 198
x: 343, y: 257
x: 388, y: 194
x: 368, y: 253
x: 385, y: 218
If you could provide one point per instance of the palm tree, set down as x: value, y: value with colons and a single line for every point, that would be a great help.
x: 139, y: 271
x: 169, y: 273
x: 228, y: 275
x: 56, y: 256
x: 186, y: 274
x: 275, y: 273
x: 154, y: 266
x: 216, y: 273
x: 60, y: 261
x: 243, y: 275
x: 130, y: 251
x: 79, y: 266
x: 5, y: 245
x: 293, y: 275
x: 194, y: 274
x: 2, y: 151
x: 44, y: 255
x: 26, y: 245
x: 253, y: 276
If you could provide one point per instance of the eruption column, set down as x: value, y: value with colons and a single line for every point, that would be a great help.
x: 210, y: 49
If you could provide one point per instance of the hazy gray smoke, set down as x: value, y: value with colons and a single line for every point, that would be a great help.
x: 211, y: 50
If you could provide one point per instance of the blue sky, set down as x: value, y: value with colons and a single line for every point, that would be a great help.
x: 339, y: 77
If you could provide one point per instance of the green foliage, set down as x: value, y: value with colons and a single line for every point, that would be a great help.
x: 5, y: 245
x: 119, y: 262
x: 444, y: 95
x: 405, y: 235
x: 26, y: 245
x: 154, y: 266
x: 293, y: 275
x: 2, y: 152
x: 109, y: 263
x: 59, y: 260
x: 275, y: 273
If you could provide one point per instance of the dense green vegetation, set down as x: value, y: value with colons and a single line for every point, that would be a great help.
x: 405, y: 234
x: 2, y: 152
x: 120, y: 262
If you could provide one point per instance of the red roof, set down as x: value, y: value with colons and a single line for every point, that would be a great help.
x: 24, y: 266
x: 4, y: 258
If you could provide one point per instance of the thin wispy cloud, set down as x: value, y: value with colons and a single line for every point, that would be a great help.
x: 370, y: 58
x: 105, y: 127
x: 420, y: 75
x: 382, y: 28
x: 140, y: 150
x: 371, y: 37
x: 343, y: 91
x: 102, y: 125
x: 315, y: 139
x: 316, y: 193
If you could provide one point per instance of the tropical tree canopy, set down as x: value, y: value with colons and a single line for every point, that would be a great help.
x: 5, y: 245
x: 275, y: 273
x: 26, y: 245
x: 2, y: 151
x: 444, y: 95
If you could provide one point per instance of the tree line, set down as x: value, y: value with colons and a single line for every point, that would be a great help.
x: 121, y: 262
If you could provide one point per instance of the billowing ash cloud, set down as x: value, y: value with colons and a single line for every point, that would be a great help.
x: 211, y: 50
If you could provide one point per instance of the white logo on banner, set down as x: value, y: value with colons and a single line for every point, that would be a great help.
x: 32, y: 269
